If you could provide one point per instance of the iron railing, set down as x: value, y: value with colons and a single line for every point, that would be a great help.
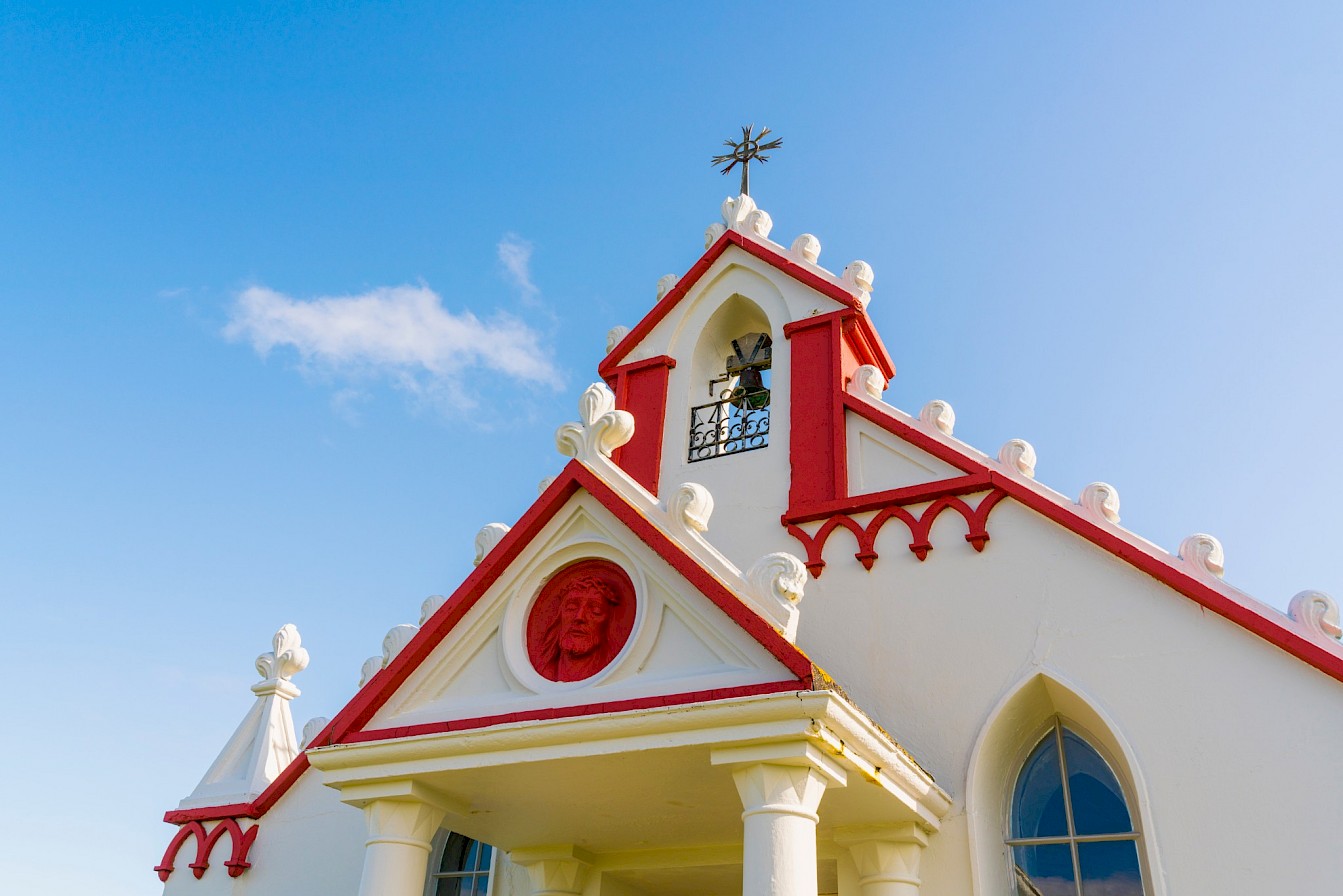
x: 724, y: 428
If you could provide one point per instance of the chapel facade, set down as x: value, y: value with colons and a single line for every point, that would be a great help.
x: 766, y: 634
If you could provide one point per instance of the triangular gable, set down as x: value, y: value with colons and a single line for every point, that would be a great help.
x: 350, y: 724
x: 864, y: 341
x: 982, y: 474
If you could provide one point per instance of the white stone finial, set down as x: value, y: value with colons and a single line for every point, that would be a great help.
x: 311, y: 729
x: 614, y: 335
x: 263, y: 743
x: 778, y: 579
x: 430, y: 606
x: 665, y: 284
x: 938, y: 414
x: 858, y: 274
x: 1018, y: 455
x: 545, y: 484
x: 741, y: 214
x: 489, y: 536
x: 1101, y: 499
x: 395, y: 641
x: 1318, y: 612
x: 286, y: 658
x: 372, y: 666
x: 867, y: 382
x: 601, y: 431
x: 712, y: 234
x: 690, y: 507
x: 1204, y: 552
x: 807, y: 247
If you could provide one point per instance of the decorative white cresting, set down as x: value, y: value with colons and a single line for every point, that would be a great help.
x: 690, y: 507
x: 311, y: 729
x: 740, y: 213
x: 489, y: 536
x: 613, y: 337
x: 1318, y: 612
x: 1204, y: 552
x: 780, y: 577
x: 867, y: 382
x: 665, y: 284
x: 807, y: 247
x: 1018, y: 455
x: 938, y: 413
x: 602, y: 429
x: 545, y: 484
x: 286, y: 657
x: 712, y: 234
x: 372, y: 666
x: 263, y: 743
x: 396, y: 639
x: 430, y: 607
x: 1102, y: 500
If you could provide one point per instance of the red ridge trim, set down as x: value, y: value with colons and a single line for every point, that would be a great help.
x: 568, y: 712
x: 647, y: 363
x: 1255, y: 619
x: 764, y: 253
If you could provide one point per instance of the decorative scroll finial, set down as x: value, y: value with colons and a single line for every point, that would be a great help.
x: 746, y: 150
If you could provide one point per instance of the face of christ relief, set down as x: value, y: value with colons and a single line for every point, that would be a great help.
x: 580, y: 621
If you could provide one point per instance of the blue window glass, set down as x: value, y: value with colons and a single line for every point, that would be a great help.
x: 461, y: 867
x: 1071, y: 830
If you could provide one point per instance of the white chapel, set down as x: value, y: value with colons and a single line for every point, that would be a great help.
x: 766, y: 634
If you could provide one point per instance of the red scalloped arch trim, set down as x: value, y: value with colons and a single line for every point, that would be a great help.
x: 205, y: 843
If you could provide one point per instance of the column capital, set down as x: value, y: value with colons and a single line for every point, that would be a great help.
x: 559, y: 870
x: 402, y: 790
x: 798, y: 753
x: 887, y: 856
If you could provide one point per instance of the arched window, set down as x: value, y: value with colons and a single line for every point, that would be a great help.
x: 1071, y: 832
x: 458, y: 866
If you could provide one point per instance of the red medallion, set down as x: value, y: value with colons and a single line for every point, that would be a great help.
x: 580, y: 621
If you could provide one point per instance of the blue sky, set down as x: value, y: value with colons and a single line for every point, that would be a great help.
x: 1112, y: 230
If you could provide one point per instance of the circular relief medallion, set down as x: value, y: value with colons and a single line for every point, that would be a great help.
x: 580, y: 621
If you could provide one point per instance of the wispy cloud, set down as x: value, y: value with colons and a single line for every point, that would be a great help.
x: 401, y: 333
x: 515, y: 254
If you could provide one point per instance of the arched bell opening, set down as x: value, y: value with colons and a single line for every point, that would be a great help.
x: 730, y: 383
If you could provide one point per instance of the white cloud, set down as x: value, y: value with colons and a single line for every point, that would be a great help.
x: 516, y: 255
x: 399, y: 332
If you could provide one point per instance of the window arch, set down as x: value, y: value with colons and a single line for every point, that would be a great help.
x: 459, y: 866
x: 1070, y: 831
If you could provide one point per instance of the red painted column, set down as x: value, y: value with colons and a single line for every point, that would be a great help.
x: 640, y: 387
x: 816, y: 431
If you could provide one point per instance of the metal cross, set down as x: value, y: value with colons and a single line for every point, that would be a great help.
x: 745, y: 151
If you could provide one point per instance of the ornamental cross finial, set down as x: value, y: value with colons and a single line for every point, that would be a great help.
x: 748, y: 149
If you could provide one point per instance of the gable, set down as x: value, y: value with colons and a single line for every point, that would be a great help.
x: 680, y: 642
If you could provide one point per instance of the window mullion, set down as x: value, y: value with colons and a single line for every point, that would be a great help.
x: 1068, y: 807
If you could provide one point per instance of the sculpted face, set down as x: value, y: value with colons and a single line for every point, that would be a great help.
x: 583, y: 616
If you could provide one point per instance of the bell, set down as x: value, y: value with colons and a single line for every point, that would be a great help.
x: 750, y: 393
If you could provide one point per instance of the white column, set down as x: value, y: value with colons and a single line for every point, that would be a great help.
x: 554, y: 870
x: 780, y: 786
x: 887, y: 857
x: 402, y: 818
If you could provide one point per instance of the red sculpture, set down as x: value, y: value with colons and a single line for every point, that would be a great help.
x: 580, y: 621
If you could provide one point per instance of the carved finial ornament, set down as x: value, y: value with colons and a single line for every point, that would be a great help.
x: 807, y: 247
x: 867, y: 382
x: 665, y: 284
x: 938, y: 414
x: 1205, y: 553
x: 489, y: 536
x: 1102, y: 500
x: 601, y: 430
x: 614, y: 335
x: 1018, y: 455
x: 1318, y: 612
x: 286, y: 658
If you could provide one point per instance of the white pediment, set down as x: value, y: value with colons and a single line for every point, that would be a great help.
x: 879, y: 460
x: 680, y: 642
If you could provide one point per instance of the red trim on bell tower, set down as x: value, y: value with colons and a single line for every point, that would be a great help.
x: 640, y: 387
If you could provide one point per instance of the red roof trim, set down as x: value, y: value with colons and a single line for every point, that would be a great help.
x: 570, y: 712
x: 896, y: 497
x: 347, y: 725
x: 1255, y: 618
x: 766, y: 254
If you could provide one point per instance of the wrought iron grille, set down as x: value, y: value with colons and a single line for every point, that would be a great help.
x: 725, y: 427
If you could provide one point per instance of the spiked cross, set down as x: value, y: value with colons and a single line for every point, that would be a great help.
x: 745, y: 151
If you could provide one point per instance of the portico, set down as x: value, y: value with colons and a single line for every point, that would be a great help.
x: 748, y: 795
